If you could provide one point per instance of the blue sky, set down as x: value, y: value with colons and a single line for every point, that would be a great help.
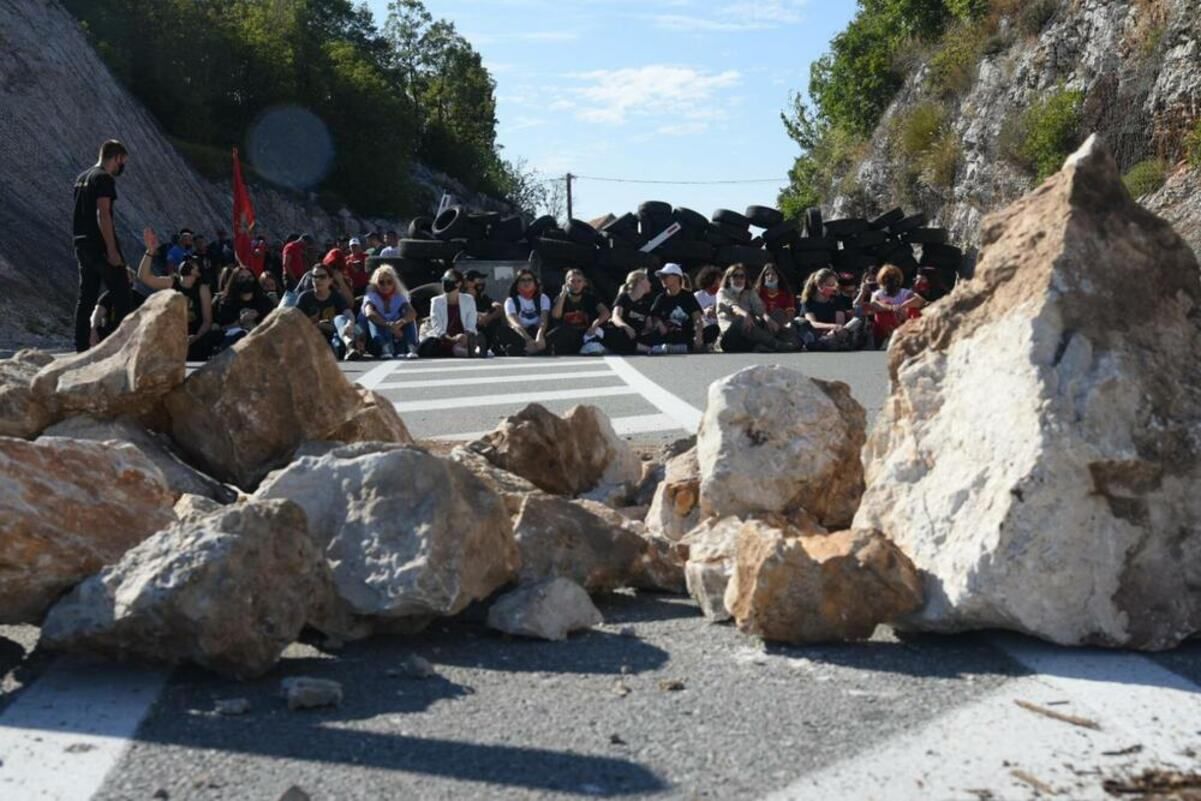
x: 678, y: 90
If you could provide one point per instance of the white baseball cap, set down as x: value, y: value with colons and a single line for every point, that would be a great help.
x: 356, y: 241
x: 670, y: 269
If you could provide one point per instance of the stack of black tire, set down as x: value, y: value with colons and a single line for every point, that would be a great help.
x: 432, y: 245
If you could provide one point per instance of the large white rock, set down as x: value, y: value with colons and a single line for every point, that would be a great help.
x: 711, y: 551
x: 406, y: 534
x: 229, y: 591
x: 549, y: 610
x: 1039, y: 456
x: 774, y: 440
x: 675, y: 507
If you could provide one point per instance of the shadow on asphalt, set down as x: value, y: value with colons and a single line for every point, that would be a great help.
x: 645, y: 607
x: 926, y: 656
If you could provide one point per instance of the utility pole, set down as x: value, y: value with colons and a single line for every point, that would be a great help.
x: 569, y: 177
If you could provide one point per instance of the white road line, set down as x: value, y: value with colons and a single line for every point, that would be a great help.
x: 372, y: 378
x: 685, y: 414
x: 511, y: 363
x: 624, y: 426
x: 979, y: 746
x: 515, y: 398
x: 63, y: 735
x: 515, y: 378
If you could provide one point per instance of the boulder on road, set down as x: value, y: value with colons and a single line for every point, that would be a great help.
x: 774, y: 440
x: 793, y: 587
x: 246, y: 411
x: 68, y: 508
x: 565, y: 455
x: 407, y: 534
x: 181, y: 477
x: 584, y: 541
x: 676, y: 509
x: 190, y: 508
x: 549, y: 609
x: 374, y: 419
x: 511, y: 487
x: 228, y: 592
x: 129, y: 372
x: 1038, y: 456
x: 711, y: 550
x: 21, y: 414
x: 661, y: 566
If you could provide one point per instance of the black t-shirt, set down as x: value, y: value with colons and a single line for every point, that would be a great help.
x: 195, y: 314
x: 91, y: 185
x: 324, y: 310
x: 676, y: 311
x: 635, y: 312
x: 824, y: 310
x: 843, y: 303
x: 107, y: 302
x: 580, y: 312
x: 228, y: 308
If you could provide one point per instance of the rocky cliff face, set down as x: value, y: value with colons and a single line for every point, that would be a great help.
x: 1136, y: 61
x: 58, y: 102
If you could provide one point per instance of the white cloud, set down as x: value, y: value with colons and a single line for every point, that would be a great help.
x: 737, y: 17
x: 656, y: 90
x: 682, y: 22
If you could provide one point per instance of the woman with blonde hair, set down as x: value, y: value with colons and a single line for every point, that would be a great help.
x: 824, y: 326
x: 745, y: 326
x: 630, y: 330
x: 388, y: 316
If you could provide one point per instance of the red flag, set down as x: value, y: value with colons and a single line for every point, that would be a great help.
x: 243, y: 215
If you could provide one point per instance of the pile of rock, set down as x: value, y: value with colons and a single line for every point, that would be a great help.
x: 211, y: 518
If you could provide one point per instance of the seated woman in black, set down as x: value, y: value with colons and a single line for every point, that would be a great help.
x: 578, y: 316
x: 203, y: 338
x: 824, y: 326
x: 631, y: 330
x: 241, y: 306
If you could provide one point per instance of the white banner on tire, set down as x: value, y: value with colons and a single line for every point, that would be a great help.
x: 667, y: 234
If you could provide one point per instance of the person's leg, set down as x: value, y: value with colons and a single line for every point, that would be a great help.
x: 379, y: 340
x: 734, y: 339
x: 430, y: 348
x: 565, y: 340
x: 411, y: 340
x: 619, y: 342
x: 90, y: 279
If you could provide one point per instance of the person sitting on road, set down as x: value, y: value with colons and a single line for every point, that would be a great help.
x: 328, y: 310
x: 388, y: 316
x: 269, y: 286
x: 891, y: 303
x: 677, y: 315
x: 631, y: 329
x: 709, y: 281
x: 823, y: 326
x: 356, y: 267
x: 241, y: 307
x: 450, y: 329
x: 745, y: 324
x: 779, y: 304
x: 578, y: 316
x: 203, y: 339
x: 335, y: 264
x: 490, y: 315
x: 527, y: 312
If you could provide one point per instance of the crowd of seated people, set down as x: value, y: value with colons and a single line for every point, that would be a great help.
x: 369, y: 314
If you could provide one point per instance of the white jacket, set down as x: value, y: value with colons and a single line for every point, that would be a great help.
x: 438, y: 320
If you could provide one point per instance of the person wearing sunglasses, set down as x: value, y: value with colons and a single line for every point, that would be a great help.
x: 742, y: 317
x: 388, y: 317
x: 527, y: 314
x: 327, y: 309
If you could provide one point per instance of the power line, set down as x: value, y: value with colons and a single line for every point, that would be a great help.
x: 682, y: 183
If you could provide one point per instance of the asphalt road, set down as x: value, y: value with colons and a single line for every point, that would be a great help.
x: 654, y: 703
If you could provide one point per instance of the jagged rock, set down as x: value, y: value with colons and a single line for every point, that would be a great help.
x: 306, y: 692
x: 793, y: 587
x: 711, y: 551
x: 68, y: 508
x: 191, y: 508
x: 246, y: 411
x: 375, y: 420
x: 1065, y: 505
x: 407, y: 534
x: 675, y: 509
x: 565, y: 455
x: 584, y: 541
x: 774, y: 440
x: 511, y: 487
x: 661, y: 566
x: 549, y: 609
x: 228, y: 592
x: 181, y: 478
x: 129, y: 372
x: 21, y: 414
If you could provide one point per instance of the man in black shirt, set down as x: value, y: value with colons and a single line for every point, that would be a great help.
x: 97, y: 251
x: 578, y: 316
x: 677, y: 315
x: 490, y: 314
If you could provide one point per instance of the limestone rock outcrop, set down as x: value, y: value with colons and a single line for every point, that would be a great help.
x: 774, y: 440
x: 246, y: 411
x: 67, y: 509
x: 406, y: 534
x: 129, y: 372
x: 228, y: 592
x: 565, y: 455
x: 1038, y: 456
x: 788, y: 586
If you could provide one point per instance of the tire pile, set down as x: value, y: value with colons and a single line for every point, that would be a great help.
x: 608, y: 252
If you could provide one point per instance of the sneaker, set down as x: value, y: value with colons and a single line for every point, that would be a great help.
x: 658, y: 350
x: 677, y: 348
x: 592, y: 348
x: 386, y: 353
x: 353, y: 356
x: 410, y: 355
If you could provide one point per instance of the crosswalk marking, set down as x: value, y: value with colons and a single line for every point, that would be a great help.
x: 514, y: 398
x: 622, y: 426
x: 515, y: 378
x: 509, y: 363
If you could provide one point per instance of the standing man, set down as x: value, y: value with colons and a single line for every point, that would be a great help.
x: 97, y: 251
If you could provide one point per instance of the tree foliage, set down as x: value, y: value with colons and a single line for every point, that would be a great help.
x: 413, y: 89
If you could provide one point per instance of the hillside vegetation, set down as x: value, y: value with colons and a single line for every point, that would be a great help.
x: 413, y: 90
